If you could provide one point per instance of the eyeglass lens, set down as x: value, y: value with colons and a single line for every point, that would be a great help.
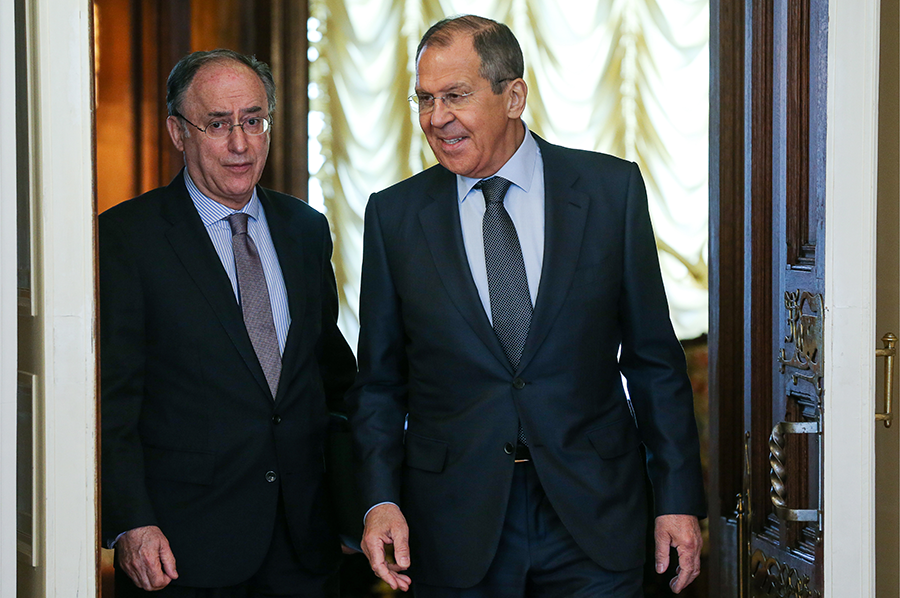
x: 252, y: 126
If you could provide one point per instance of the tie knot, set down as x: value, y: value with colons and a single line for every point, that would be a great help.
x: 238, y: 223
x: 494, y: 189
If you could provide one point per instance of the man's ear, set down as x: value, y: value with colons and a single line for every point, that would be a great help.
x: 517, y: 92
x: 176, y: 132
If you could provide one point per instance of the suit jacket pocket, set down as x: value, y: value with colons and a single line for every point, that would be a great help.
x: 179, y: 466
x: 425, y: 453
x: 615, y: 439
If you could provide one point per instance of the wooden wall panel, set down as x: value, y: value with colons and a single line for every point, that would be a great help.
x: 115, y: 115
x: 139, y: 41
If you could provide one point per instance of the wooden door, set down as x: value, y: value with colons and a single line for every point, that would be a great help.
x: 766, y: 319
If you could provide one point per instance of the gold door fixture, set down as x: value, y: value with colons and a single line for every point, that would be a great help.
x: 888, y: 352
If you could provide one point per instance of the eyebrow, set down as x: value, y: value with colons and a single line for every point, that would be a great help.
x: 220, y: 114
x: 453, y: 88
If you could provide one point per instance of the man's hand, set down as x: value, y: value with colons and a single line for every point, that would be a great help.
x: 386, y: 528
x: 681, y: 532
x: 144, y: 554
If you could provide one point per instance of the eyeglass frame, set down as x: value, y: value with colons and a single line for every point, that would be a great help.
x: 414, y: 98
x: 231, y: 126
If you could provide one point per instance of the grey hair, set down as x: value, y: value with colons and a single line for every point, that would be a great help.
x: 183, y: 73
x: 497, y: 47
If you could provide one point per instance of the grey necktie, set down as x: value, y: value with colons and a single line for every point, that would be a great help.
x: 254, y: 299
x: 507, y: 281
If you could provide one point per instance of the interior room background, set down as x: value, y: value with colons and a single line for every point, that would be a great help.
x: 625, y: 77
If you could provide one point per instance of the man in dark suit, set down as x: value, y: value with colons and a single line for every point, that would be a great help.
x: 220, y: 359
x: 500, y: 454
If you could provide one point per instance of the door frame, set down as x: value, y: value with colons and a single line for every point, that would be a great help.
x: 7, y: 310
x: 64, y: 76
x: 848, y: 488
x: 60, y: 173
x: 850, y: 335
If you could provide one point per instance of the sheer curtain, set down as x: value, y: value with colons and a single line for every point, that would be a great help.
x: 625, y: 77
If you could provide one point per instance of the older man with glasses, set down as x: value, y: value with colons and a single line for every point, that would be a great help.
x: 221, y: 360
x: 505, y: 293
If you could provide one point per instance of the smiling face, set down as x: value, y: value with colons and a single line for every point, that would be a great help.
x: 475, y: 140
x: 227, y: 169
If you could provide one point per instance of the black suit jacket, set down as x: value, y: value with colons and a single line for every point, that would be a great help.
x: 190, y: 430
x: 427, y: 350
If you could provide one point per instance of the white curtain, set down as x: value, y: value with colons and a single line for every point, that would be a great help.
x: 625, y: 77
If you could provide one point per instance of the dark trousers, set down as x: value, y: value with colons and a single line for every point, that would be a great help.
x: 538, y: 558
x: 281, y: 575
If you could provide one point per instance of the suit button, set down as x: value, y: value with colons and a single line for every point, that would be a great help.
x: 508, y: 448
x: 276, y: 419
x: 270, y: 476
x: 518, y: 384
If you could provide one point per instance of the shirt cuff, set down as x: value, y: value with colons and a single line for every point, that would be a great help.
x: 112, y: 544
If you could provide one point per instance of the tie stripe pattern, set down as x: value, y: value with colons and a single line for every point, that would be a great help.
x: 254, y: 298
x: 507, y: 281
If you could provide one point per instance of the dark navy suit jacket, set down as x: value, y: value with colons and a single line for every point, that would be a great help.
x: 429, y: 357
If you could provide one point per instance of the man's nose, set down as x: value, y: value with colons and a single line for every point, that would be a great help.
x: 237, y: 139
x: 441, y: 115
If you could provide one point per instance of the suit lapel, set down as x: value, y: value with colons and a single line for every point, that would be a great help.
x: 565, y: 213
x: 192, y: 244
x: 443, y: 234
x: 297, y: 269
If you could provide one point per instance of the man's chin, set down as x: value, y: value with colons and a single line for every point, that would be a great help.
x: 235, y: 196
x: 454, y: 164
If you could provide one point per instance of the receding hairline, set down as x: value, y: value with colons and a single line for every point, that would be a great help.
x: 226, y: 61
x: 182, y: 75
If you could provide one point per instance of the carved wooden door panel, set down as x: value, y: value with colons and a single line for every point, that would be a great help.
x: 766, y: 323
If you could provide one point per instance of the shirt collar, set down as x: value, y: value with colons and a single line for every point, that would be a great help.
x: 519, y: 169
x: 212, y: 211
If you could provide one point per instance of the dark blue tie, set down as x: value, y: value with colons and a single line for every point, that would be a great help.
x: 507, y: 280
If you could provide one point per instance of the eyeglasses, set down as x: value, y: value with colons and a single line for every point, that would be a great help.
x: 424, y: 103
x: 219, y: 129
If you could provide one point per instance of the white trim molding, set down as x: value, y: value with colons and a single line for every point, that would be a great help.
x: 61, y: 181
x: 850, y: 336
x: 8, y: 333
x: 65, y: 196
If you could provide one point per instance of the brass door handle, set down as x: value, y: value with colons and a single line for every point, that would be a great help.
x: 890, y: 342
x: 778, y: 471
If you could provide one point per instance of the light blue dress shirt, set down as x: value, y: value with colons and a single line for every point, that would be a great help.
x: 213, y: 214
x: 525, y: 204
